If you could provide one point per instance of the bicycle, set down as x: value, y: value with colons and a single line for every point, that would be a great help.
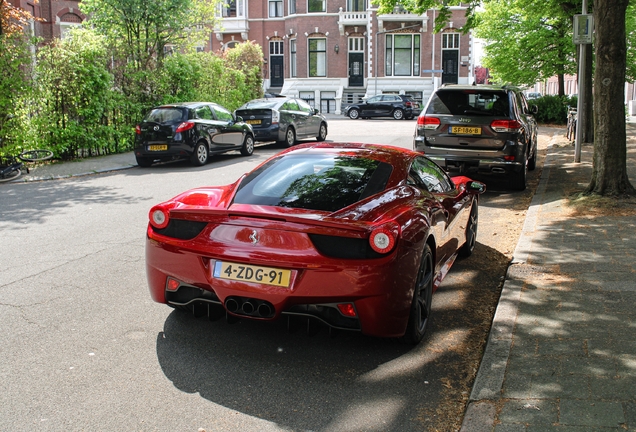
x: 13, y: 169
x: 571, y: 126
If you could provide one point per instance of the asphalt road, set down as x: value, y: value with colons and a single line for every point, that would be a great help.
x: 84, y: 348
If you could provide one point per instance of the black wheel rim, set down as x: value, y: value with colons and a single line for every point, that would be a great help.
x: 471, y: 229
x: 424, y: 289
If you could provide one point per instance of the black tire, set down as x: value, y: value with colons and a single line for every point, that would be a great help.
x: 11, y: 175
x: 322, y: 132
x: 248, y: 145
x: 471, y: 233
x: 532, y: 162
x: 36, y: 155
x: 354, y: 114
x: 420, y: 313
x: 520, y: 178
x: 290, y: 138
x: 200, y: 154
x: 143, y: 162
x: 398, y: 114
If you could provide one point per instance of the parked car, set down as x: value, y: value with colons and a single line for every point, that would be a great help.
x: 191, y: 130
x: 480, y: 128
x: 533, y: 95
x: 356, y: 236
x: 284, y: 120
x: 383, y: 105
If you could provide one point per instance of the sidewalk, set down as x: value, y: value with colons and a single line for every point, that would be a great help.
x: 561, y: 354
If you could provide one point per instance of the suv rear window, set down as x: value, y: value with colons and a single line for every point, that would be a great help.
x: 469, y: 102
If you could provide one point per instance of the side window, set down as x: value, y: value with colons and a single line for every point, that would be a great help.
x: 431, y: 175
x: 290, y: 105
x: 223, y: 114
x: 204, y: 113
x: 303, y: 106
x: 375, y: 99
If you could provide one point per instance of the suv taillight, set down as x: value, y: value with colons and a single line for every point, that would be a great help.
x: 185, y: 126
x: 505, y: 125
x: 425, y: 122
x: 138, y: 130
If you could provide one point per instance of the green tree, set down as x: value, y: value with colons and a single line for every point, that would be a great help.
x: 527, y: 41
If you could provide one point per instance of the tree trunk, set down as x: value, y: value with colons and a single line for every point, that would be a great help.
x: 609, y: 174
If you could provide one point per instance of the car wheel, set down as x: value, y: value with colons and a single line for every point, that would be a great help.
x: 420, y: 313
x: 322, y: 132
x: 248, y: 145
x: 532, y: 163
x: 520, y: 178
x: 290, y: 137
x: 398, y: 114
x: 471, y: 234
x: 199, y: 156
x: 143, y: 162
x: 354, y: 114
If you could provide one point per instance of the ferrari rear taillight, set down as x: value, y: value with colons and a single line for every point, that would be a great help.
x: 347, y: 309
x: 425, y: 122
x: 187, y: 125
x: 383, y: 238
x: 505, y: 125
x: 159, y: 217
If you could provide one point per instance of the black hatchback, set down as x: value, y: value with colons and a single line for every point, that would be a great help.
x: 383, y: 105
x: 190, y: 130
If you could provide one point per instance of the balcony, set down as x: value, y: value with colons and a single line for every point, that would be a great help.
x: 402, y: 16
x: 232, y: 18
x: 353, y: 18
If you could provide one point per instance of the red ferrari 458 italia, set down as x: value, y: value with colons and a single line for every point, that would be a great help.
x: 357, y: 236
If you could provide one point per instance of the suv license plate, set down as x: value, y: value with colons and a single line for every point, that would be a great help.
x: 251, y: 273
x: 465, y: 130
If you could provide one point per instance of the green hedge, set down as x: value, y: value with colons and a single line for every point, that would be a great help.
x: 553, y: 109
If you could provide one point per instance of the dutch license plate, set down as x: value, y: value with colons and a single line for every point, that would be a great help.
x: 251, y: 273
x: 157, y: 147
x: 465, y: 130
x: 254, y: 122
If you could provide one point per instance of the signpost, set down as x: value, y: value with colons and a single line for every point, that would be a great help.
x: 582, y: 35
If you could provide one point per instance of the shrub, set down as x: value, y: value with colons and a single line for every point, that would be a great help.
x: 553, y: 109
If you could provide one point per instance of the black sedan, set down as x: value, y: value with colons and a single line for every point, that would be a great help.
x: 384, y: 105
x: 284, y: 120
x: 190, y: 130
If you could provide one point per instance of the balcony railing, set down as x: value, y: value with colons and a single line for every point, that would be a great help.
x: 353, y: 18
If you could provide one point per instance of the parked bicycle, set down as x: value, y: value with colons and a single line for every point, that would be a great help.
x: 15, y: 165
x: 571, y: 126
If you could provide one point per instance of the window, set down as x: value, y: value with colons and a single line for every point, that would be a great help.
x: 316, y: 6
x: 427, y: 175
x: 317, y: 57
x: 308, y: 97
x: 304, y: 106
x: 292, y: 7
x: 276, y: 48
x: 402, y: 55
x: 275, y: 8
x: 356, y: 44
x: 292, y: 52
x: 356, y: 5
x: 450, y: 40
x: 204, y: 113
x: 229, y: 9
x: 223, y: 114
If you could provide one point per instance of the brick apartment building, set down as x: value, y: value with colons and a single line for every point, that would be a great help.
x: 328, y: 51
x: 324, y: 51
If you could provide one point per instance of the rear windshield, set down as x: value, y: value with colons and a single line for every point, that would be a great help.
x: 265, y: 103
x: 469, y: 102
x: 314, y: 182
x: 166, y: 115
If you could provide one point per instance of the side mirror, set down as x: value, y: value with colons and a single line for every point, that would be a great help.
x: 534, y: 109
x: 476, y: 187
x: 316, y: 111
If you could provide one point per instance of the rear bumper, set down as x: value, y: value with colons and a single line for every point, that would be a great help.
x: 271, y: 133
x: 175, y: 150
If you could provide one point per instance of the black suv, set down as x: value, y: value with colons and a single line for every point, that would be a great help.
x: 190, y: 130
x: 383, y: 105
x: 479, y: 128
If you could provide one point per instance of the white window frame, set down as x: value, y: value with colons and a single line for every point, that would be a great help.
x: 415, y: 53
x: 321, y: 58
x: 292, y: 58
x: 450, y: 40
x: 275, y: 6
x: 291, y: 7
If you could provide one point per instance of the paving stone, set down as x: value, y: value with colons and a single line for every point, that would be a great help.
x: 503, y: 427
x: 591, y: 413
x: 529, y: 411
x: 613, y: 388
x: 593, y: 365
x: 533, y: 365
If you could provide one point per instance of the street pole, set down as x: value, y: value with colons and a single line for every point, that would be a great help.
x: 581, y: 101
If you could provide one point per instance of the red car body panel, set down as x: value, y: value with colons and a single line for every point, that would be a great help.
x: 381, y: 288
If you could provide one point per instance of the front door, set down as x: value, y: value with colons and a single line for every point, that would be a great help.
x: 450, y: 66
x: 277, y: 77
x: 356, y: 62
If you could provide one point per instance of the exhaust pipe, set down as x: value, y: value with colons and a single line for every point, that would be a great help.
x: 264, y: 310
x: 248, y: 307
x: 231, y: 305
x: 498, y: 170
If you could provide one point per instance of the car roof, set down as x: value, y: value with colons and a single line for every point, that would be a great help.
x: 492, y: 87
x: 186, y: 104
x: 385, y: 153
